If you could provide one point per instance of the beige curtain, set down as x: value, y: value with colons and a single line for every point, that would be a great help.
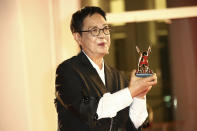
x: 34, y: 39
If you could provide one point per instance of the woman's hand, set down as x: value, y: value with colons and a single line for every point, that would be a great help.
x: 139, y: 87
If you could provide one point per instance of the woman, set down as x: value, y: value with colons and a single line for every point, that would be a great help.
x: 92, y: 95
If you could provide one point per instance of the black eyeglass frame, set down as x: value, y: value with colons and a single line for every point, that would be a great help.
x: 91, y: 30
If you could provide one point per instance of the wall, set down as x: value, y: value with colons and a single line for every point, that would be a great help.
x: 184, y: 67
x: 35, y: 38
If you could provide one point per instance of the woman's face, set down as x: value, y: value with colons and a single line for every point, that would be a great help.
x: 95, y: 46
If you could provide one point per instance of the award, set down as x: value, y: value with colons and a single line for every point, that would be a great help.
x: 143, y: 67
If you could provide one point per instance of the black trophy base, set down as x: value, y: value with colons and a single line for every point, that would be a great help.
x: 143, y: 75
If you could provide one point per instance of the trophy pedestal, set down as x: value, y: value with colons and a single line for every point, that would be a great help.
x: 143, y: 75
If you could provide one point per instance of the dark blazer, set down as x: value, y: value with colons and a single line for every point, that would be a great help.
x: 80, y: 88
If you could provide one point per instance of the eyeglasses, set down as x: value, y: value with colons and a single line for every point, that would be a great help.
x: 95, y: 31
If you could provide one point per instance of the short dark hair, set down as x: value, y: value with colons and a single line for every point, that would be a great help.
x: 78, y: 17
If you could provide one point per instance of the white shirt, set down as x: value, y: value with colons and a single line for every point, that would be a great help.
x: 110, y: 104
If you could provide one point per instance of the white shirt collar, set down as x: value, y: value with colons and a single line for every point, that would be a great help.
x: 99, y: 71
x: 93, y: 64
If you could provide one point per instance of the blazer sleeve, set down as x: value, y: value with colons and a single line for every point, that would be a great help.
x: 70, y: 87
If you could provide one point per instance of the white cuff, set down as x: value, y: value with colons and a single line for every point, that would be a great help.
x: 138, y: 112
x: 110, y: 104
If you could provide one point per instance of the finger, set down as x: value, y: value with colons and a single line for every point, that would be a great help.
x: 150, y: 78
x: 154, y: 74
x: 151, y: 83
x: 133, y: 72
x: 149, y: 88
x: 133, y: 76
x: 145, y: 88
x: 143, y: 93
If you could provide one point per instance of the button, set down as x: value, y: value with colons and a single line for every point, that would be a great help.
x: 85, y: 100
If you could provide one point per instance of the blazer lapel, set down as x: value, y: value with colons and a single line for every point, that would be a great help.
x: 92, y: 74
x: 108, y: 79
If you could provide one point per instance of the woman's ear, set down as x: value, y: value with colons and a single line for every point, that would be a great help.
x: 77, y: 38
